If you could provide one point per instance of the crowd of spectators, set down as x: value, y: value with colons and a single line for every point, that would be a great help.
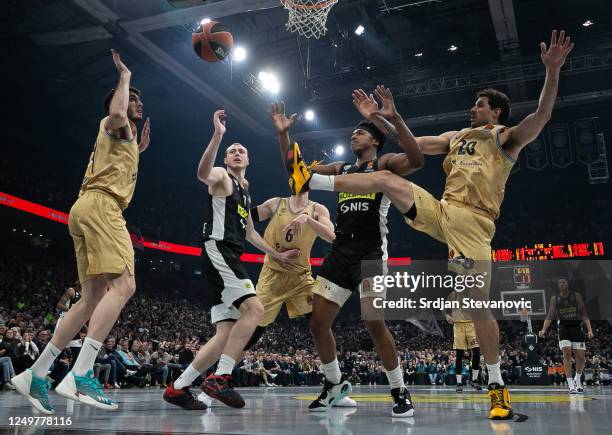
x: 158, y: 334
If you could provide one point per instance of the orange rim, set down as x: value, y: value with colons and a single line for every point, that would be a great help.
x: 293, y: 5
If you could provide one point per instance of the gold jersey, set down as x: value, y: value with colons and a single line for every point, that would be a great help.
x: 282, y: 240
x: 113, y: 166
x: 477, y: 168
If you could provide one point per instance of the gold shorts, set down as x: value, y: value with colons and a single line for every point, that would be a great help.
x: 468, y: 234
x: 101, y: 239
x: 464, y: 336
x: 275, y: 288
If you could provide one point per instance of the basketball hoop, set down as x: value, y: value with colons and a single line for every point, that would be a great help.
x: 308, y: 17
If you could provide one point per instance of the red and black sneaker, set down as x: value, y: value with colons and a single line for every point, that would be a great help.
x: 184, y: 398
x: 222, y: 388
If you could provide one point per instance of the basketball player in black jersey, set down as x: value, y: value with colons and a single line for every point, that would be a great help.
x: 360, y: 236
x: 70, y: 297
x: 569, y: 309
x: 236, y: 310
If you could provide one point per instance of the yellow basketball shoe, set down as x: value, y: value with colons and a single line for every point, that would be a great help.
x: 500, y: 402
x: 299, y: 173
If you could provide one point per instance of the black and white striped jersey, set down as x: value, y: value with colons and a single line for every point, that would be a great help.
x: 227, y: 216
x: 362, y: 216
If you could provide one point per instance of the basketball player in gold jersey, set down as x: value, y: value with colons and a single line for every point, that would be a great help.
x: 477, y: 166
x: 104, y: 253
x: 464, y: 338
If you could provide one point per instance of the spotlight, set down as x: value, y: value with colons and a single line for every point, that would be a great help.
x: 205, y: 20
x: 587, y: 23
x: 269, y: 82
x: 453, y: 47
x: 239, y: 53
x: 309, y: 115
x: 359, y: 30
x: 339, y: 150
x: 419, y: 54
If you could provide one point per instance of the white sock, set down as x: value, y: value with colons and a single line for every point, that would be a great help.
x: 87, y: 356
x: 458, y: 379
x: 45, y: 360
x: 332, y: 371
x: 395, y: 377
x: 322, y: 182
x: 475, y: 375
x: 225, y: 365
x: 495, y: 376
x: 187, y: 377
x: 570, y: 383
x: 577, y: 378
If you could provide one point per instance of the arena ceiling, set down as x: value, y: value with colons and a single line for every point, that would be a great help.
x: 58, y: 58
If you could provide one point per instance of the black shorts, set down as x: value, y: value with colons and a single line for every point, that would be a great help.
x: 573, y: 333
x: 227, y: 281
x: 352, y: 260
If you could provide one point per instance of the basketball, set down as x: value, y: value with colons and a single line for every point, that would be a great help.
x: 212, y: 41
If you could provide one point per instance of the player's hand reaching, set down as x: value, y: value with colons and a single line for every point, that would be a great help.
x: 286, y: 256
x: 145, y: 136
x: 385, y: 96
x: 295, y: 226
x: 554, y: 56
x: 590, y: 335
x: 542, y: 333
x: 120, y: 65
x: 219, y: 122
x: 277, y: 113
x: 364, y: 103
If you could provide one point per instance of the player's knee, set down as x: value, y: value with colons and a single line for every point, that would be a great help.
x: 253, y: 309
x: 376, y: 328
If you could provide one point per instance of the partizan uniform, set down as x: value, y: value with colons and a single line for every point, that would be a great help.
x: 464, y: 335
x: 290, y: 283
x: 477, y: 168
x: 70, y: 302
x: 101, y: 239
x: 224, y: 234
x: 569, y: 314
x: 361, y: 235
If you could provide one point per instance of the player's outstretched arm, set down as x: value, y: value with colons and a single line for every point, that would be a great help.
x: 265, y: 210
x: 255, y: 239
x: 553, y: 57
x: 412, y: 158
x: 207, y: 173
x: 117, y: 111
x: 68, y: 294
x: 434, y: 145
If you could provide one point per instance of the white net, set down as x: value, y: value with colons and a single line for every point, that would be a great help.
x: 308, y: 17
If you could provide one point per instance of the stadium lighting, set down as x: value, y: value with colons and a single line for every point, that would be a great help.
x: 309, y: 115
x: 205, y: 21
x: 269, y: 82
x: 453, y: 47
x: 239, y: 53
x: 359, y: 30
x: 339, y: 150
x: 587, y: 23
x: 419, y: 54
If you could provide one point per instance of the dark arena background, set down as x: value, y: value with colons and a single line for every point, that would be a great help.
x: 433, y: 55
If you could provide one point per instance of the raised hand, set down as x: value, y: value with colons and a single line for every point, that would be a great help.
x: 366, y: 105
x: 554, y: 56
x: 120, y: 65
x: 388, y: 109
x: 145, y: 136
x: 279, y: 119
x: 219, y: 122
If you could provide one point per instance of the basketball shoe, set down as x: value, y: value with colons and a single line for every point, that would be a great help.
x: 222, y: 388
x: 185, y: 398
x: 85, y: 389
x: 331, y: 394
x: 36, y: 390
x: 500, y: 402
x: 402, y: 403
x: 299, y: 173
